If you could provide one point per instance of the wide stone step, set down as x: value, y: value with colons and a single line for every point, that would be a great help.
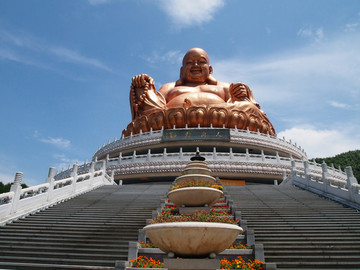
x: 25, y: 265
x: 66, y: 239
x: 299, y: 230
x: 62, y: 247
x: 50, y: 260
x: 91, y: 231
x: 313, y: 258
x: 286, y: 242
x: 309, y: 250
x: 55, y: 235
x: 64, y: 255
x: 303, y: 264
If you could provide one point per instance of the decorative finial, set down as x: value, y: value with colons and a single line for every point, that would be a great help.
x: 197, y: 156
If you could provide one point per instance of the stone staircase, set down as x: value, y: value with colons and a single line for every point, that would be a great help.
x: 299, y: 230
x: 90, y: 231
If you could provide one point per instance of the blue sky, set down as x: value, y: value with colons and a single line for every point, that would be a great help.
x: 66, y: 69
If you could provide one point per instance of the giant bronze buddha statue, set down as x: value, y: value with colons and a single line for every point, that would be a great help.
x: 195, y: 99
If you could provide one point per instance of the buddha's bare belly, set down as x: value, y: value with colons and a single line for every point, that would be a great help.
x: 194, y: 99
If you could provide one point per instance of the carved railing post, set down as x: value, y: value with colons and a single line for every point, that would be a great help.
x: 92, y: 172
x: 16, y: 188
x: 247, y: 154
x: 325, y: 176
x: 50, y: 179
x: 293, y: 170
x: 74, y: 176
x: 214, y: 153
x: 306, y: 170
x: 119, y: 158
x: 107, y: 159
x: 350, y: 181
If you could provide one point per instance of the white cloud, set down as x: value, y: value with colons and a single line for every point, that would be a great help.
x: 30, y: 50
x: 321, y: 142
x: 171, y: 57
x: 317, y: 34
x: 8, y: 55
x: 318, y: 83
x: 339, y: 105
x: 58, y: 142
x: 67, y: 55
x: 65, y: 162
x: 319, y: 70
x: 350, y: 27
x: 185, y: 13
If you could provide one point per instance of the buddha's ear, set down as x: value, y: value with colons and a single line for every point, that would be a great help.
x: 180, y: 81
x: 211, y: 79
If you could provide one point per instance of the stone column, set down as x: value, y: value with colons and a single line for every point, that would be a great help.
x: 350, y: 181
x: 74, y: 176
x: 306, y: 170
x: 324, y: 176
x: 50, y: 179
x: 16, y: 188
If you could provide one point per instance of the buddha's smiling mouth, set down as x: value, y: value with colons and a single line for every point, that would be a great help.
x: 196, y: 70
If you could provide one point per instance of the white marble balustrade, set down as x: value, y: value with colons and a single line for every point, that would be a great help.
x: 22, y: 201
x: 346, y: 192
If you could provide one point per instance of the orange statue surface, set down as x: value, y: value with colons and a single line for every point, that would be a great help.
x: 197, y: 98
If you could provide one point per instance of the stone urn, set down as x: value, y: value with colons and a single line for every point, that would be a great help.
x: 194, y: 196
x: 192, y: 239
x: 196, y: 178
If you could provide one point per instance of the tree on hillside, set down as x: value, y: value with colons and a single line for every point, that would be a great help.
x: 6, y: 187
x: 351, y: 158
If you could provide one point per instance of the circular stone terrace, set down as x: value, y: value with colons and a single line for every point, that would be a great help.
x: 231, y: 154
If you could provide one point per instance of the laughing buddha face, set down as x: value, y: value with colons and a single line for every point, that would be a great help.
x: 195, y: 68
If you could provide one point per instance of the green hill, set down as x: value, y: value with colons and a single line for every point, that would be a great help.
x: 6, y: 187
x: 351, y: 158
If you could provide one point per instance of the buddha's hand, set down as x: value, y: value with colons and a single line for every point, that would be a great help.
x: 142, y: 80
x: 238, y: 92
x: 143, y: 95
x: 143, y: 87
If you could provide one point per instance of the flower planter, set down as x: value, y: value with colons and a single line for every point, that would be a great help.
x: 194, y: 196
x: 195, y: 177
x: 192, y: 239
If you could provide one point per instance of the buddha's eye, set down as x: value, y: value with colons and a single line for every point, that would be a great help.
x: 203, y: 61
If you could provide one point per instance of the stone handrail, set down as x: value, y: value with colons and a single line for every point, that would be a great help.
x: 23, y: 201
x: 346, y: 192
x: 217, y: 162
x: 237, y: 135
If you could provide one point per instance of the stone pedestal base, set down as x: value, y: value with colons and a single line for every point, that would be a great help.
x: 191, y: 264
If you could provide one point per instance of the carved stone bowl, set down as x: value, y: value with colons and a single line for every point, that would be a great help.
x: 194, y: 196
x: 196, y: 177
x: 192, y: 239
